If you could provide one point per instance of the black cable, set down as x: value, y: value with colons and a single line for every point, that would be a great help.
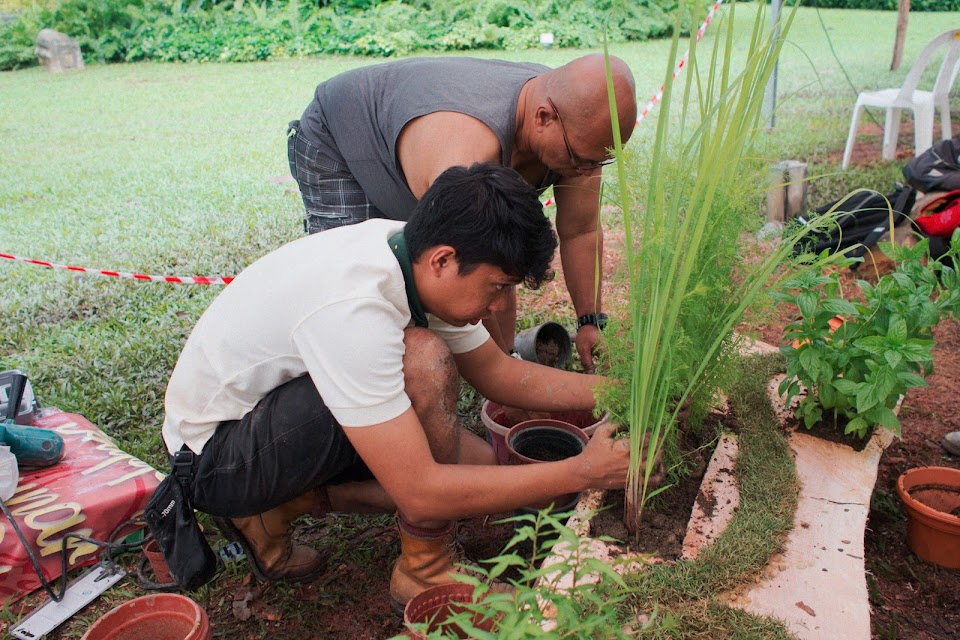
x: 856, y: 91
x: 107, y: 549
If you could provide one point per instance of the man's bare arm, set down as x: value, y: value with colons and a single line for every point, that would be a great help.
x: 431, y: 144
x: 581, y: 252
x: 399, y: 456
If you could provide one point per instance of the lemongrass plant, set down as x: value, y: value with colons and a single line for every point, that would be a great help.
x: 689, y: 284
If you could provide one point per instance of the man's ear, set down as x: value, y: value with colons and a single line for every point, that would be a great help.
x: 543, y: 115
x: 442, y: 257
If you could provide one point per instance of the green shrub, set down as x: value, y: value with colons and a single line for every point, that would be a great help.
x: 853, y: 377
x: 240, y: 31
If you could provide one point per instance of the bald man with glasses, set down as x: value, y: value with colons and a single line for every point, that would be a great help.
x: 373, y: 140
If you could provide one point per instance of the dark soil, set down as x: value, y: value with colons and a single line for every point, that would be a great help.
x: 548, y: 352
x: 665, y: 519
x: 826, y: 430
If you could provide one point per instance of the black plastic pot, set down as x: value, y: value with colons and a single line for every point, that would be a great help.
x: 544, y: 440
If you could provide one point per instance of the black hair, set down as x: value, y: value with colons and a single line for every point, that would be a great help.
x: 489, y: 215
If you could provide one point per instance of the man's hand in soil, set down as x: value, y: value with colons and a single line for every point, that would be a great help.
x: 588, y: 336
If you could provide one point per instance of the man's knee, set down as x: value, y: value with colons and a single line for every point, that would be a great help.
x: 426, y: 354
x: 429, y: 371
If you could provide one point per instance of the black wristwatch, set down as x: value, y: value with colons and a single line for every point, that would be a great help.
x: 598, y: 320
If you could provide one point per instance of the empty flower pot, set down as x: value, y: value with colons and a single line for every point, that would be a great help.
x: 545, y: 440
x: 547, y: 344
x: 162, y: 616
x: 161, y: 572
x: 435, y: 605
x: 931, y: 496
x: 498, y: 423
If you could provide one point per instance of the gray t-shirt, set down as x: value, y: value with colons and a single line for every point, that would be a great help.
x: 356, y: 117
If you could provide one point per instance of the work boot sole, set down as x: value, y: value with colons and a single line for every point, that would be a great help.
x: 231, y: 532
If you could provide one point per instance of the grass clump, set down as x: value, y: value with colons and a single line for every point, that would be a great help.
x: 685, y: 593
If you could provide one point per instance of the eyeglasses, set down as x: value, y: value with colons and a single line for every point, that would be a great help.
x: 576, y: 161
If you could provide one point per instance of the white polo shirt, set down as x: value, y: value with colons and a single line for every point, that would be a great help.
x: 332, y: 305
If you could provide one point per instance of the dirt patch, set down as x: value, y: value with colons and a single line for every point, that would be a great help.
x: 665, y: 519
x: 826, y: 430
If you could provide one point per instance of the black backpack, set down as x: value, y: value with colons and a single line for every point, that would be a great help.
x: 936, y: 169
x: 861, y: 221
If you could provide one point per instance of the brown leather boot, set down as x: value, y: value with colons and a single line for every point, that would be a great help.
x: 267, y: 541
x: 428, y: 560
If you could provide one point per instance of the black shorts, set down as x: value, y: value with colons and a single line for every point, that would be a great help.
x: 331, y: 195
x: 285, y: 446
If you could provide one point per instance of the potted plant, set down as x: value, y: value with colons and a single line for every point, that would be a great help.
x: 853, y: 377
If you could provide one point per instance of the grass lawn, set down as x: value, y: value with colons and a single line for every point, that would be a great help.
x: 169, y: 169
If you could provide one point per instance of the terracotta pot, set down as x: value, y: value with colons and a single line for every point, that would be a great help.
x: 161, y: 616
x: 546, y: 440
x: 497, y: 422
x: 547, y: 344
x: 434, y: 605
x: 932, y: 498
x: 161, y: 572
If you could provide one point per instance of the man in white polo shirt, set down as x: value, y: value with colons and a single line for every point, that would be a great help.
x: 325, y: 377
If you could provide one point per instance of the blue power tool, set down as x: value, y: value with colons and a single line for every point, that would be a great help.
x: 32, y: 446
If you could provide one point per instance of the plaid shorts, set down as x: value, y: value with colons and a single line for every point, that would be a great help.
x: 331, y: 195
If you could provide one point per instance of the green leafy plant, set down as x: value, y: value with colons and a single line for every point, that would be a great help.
x: 854, y: 376
x: 585, y: 605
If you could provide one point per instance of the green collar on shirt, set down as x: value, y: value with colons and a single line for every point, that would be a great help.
x: 398, y: 245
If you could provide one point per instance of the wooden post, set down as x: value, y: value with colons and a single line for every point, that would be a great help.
x: 787, y: 195
x: 903, y: 8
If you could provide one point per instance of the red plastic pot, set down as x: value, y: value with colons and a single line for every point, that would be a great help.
x: 161, y: 616
x: 545, y: 440
x: 495, y: 419
x: 931, y: 496
x: 434, y: 605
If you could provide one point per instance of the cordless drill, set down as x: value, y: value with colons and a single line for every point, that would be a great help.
x: 32, y: 446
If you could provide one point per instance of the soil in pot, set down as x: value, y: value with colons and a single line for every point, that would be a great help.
x: 931, y: 498
x: 544, y: 441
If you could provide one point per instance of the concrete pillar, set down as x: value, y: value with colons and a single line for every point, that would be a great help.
x: 787, y: 195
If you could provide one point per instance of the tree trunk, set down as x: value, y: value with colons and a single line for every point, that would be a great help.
x: 903, y: 8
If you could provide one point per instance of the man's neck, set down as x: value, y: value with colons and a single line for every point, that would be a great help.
x: 523, y: 158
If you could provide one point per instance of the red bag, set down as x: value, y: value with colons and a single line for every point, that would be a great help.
x: 941, y: 216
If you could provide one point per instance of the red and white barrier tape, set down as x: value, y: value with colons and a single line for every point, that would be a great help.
x: 683, y: 61
x: 227, y: 280
x: 121, y: 274
x: 680, y: 66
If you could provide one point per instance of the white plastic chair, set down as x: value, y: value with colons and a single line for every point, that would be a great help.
x: 921, y: 103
